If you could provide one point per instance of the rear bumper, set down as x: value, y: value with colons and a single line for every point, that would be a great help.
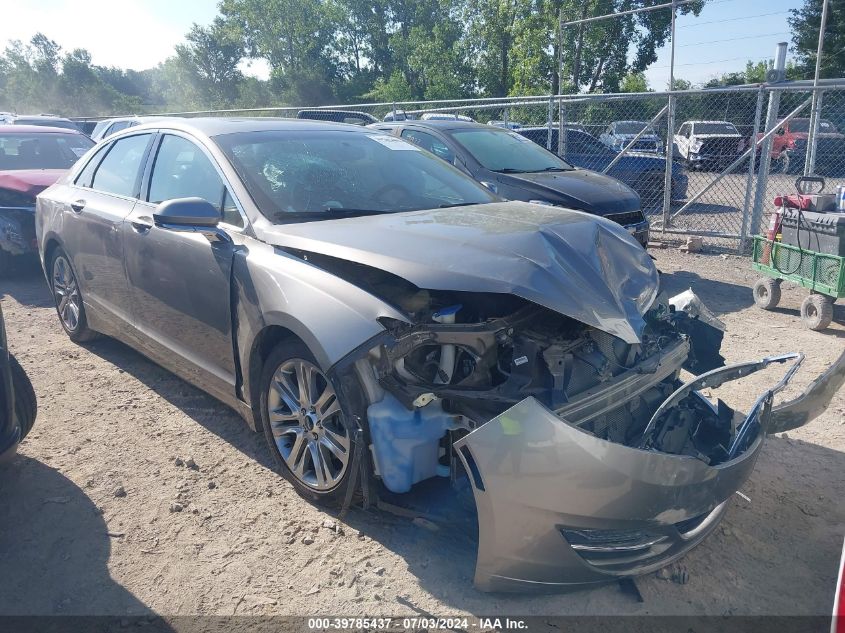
x: 558, y: 507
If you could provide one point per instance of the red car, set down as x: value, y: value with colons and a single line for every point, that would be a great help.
x: 789, y: 147
x: 31, y: 159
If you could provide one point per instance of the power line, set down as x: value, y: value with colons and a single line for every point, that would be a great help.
x: 733, y: 39
x: 746, y: 17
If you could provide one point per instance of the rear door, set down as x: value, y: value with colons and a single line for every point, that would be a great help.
x: 95, y: 206
x: 180, y: 280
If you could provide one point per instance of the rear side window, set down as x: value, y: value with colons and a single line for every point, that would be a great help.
x: 87, y: 174
x: 118, y: 172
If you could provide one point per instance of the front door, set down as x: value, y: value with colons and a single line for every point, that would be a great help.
x: 180, y: 281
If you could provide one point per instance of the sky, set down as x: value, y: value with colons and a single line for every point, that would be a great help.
x: 139, y: 34
x: 725, y: 35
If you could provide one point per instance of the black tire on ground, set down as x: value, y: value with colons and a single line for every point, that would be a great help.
x: 333, y: 496
x: 6, y: 263
x: 767, y: 293
x: 816, y: 311
x: 26, y: 406
x: 80, y: 332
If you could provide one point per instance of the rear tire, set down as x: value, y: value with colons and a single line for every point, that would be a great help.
x: 816, y: 312
x: 306, y: 426
x: 767, y: 293
x: 26, y: 406
x: 68, y: 299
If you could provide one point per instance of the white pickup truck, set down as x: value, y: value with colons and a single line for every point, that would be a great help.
x: 708, y: 144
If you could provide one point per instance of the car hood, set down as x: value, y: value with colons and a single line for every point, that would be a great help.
x: 581, y: 266
x: 578, y: 188
x: 29, y: 181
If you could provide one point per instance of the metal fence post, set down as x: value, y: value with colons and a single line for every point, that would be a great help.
x: 670, y: 151
x: 812, y: 141
x: 766, y: 147
x: 505, y: 119
x: 549, y: 123
x: 561, y: 133
x: 749, y: 183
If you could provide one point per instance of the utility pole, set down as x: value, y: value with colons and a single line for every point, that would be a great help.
x: 815, y: 111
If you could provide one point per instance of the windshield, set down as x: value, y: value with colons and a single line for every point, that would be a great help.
x: 633, y: 127
x: 42, y: 151
x: 304, y: 176
x: 714, y: 128
x: 508, y: 152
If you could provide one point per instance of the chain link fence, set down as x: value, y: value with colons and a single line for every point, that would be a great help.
x: 724, y: 153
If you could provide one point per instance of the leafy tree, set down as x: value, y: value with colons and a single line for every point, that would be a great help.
x: 806, y: 23
x: 211, y: 57
x: 634, y: 82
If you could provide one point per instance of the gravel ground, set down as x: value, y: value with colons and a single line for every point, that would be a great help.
x: 136, y: 493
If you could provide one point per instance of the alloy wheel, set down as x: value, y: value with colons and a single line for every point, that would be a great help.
x: 66, y: 293
x: 307, y: 424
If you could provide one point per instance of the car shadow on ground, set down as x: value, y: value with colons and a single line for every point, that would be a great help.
x: 25, y: 282
x: 54, y: 548
x: 202, y: 408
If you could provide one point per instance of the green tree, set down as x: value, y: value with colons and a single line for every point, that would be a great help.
x: 295, y: 37
x: 634, y: 82
x: 211, y: 57
x: 806, y: 23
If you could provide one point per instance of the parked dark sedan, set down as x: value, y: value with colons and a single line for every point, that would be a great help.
x: 18, y: 406
x: 643, y: 172
x: 31, y: 159
x: 385, y: 320
x: 516, y: 169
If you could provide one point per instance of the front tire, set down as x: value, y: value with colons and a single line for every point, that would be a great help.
x: 68, y: 299
x: 26, y: 406
x: 306, y: 425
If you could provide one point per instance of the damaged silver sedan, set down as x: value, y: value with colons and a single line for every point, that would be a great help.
x: 384, y: 320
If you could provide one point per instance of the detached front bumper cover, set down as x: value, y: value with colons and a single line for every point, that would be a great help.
x: 559, y: 507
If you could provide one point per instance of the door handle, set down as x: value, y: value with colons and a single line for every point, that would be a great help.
x: 141, y: 227
x: 77, y: 206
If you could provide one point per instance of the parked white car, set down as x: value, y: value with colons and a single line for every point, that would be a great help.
x: 708, y: 144
x: 619, y: 134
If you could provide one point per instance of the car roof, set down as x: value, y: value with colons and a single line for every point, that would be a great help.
x: 36, y: 129
x: 216, y: 126
x: 41, y: 117
x: 441, y: 124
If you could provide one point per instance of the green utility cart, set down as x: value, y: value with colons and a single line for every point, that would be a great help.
x: 822, y: 274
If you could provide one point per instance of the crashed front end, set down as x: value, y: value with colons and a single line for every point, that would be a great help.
x: 588, y: 458
x: 548, y: 379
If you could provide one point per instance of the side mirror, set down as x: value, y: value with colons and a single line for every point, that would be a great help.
x: 187, y: 212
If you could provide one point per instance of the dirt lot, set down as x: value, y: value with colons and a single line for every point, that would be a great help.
x: 100, y: 517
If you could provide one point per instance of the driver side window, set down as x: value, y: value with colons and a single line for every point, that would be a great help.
x: 182, y: 170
